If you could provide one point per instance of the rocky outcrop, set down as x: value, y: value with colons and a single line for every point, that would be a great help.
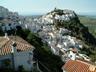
x: 4, y: 12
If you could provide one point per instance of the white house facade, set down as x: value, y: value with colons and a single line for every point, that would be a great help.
x: 15, y: 52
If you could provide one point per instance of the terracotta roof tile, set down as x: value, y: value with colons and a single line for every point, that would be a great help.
x: 5, y: 47
x: 78, y: 66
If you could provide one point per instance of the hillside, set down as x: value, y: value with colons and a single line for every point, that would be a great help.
x: 69, y: 20
x: 61, y: 29
x: 7, y: 17
x: 53, y: 34
x: 87, y: 19
x: 90, y: 22
x: 57, y: 22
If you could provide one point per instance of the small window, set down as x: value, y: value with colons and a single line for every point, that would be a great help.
x: 70, y: 56
x: 18, y: 50
x: 9, y: 24
x: 6, y: 62
x: 30, y: 53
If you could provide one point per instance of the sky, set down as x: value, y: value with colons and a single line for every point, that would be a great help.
x: 44, y: 6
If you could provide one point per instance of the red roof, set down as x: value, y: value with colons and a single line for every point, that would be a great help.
x: 78, y: 66
x: 6, y: 45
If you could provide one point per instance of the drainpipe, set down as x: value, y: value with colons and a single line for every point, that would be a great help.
x: 13, y: 54
x: 13, y: 64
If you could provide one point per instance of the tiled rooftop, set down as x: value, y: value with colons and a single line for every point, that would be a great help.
x: 78, y: 66
x: 6, y: 44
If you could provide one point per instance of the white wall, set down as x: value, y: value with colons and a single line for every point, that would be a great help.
x: 72, y: 55
x: 22, y: 58
x: 5, y: 57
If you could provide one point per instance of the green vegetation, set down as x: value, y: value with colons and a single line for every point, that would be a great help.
x: 21, y: 69
x: 1, y: 32
x: 42, y: 53
x: 6, y: 66
x: 81, y: 32
x: 90, y: 23
x: 87, y: 20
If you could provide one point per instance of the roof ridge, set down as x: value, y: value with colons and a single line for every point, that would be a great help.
x: 24, y: 43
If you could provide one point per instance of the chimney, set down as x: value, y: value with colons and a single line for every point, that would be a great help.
x: 6, y: 36
x: 14, y: 50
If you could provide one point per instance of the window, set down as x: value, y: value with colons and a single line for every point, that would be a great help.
x: 30, y: 53
x: 6, y: 63
x: 18, y: 50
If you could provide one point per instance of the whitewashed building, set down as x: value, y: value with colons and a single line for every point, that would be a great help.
x: 16, y: 52
x: 8, y: 24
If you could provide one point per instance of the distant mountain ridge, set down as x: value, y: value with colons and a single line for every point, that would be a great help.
x: 5, y: 13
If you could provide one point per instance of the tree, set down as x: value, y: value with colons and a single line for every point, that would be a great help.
x: 1, y: 31
x: 42, y: 51
x: 21, y: 69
